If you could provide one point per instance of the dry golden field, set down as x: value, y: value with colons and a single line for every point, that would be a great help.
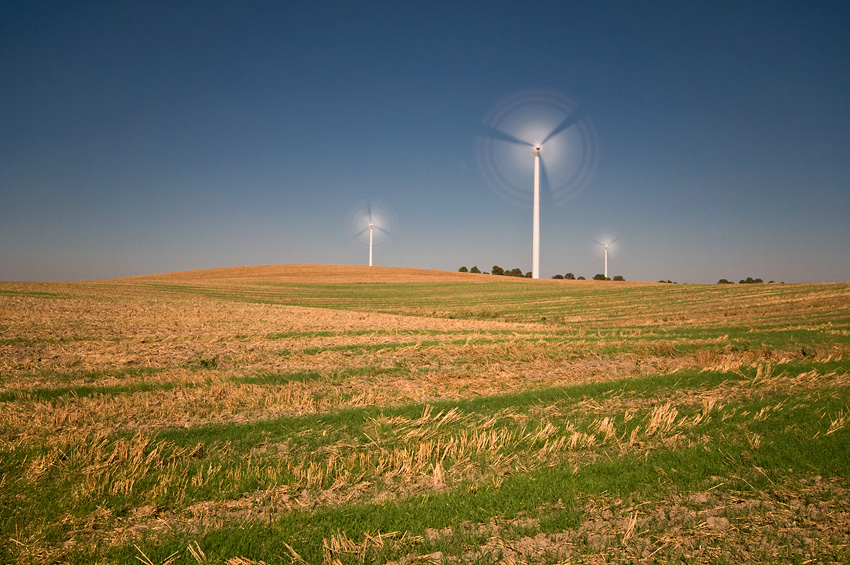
x: 304, y: 413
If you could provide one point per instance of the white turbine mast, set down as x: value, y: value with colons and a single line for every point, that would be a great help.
x: 606, y: 260
x: 371, y: 229
x: 535, y: 235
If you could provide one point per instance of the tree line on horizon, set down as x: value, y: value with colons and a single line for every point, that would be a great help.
x: 748, y: 280
x: 517, y: 272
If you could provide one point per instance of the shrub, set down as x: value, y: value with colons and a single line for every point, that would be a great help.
x: 463, y: 270
x: 475, y: 269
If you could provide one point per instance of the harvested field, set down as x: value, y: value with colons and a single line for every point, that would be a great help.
x: 313, y: 274
x: 329, y: 414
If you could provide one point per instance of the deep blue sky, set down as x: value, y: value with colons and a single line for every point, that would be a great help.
x: 143, y: 137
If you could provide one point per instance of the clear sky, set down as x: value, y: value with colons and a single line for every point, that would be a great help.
x: 145, y: 137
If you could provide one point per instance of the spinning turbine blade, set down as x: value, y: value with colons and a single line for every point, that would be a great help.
x: 494, y: 133
x: 568, y: 122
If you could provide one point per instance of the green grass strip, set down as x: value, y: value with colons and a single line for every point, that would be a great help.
x: 555, y: 495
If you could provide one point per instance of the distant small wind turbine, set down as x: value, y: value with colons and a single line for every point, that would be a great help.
x: 606, y: 241
x: 373, y: 218
x: 536, y: 119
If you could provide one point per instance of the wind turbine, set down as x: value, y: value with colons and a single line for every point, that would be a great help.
x: 373, y: 218
x: 606, y: 241
x: 537, y: 119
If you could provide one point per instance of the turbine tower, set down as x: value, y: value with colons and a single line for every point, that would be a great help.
x: 535, y: 235
x: 372, y: 228
x: 606, y: 261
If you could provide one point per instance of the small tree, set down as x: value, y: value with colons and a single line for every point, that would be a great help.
x: 570, y: 276
x: 463, y: 270
x: 497, y: 270
x: 600, y: 277
x: 581, y: 279
x: 528, y: 275
x: 619, y: 278
x: 559, y: 277
x: 474, y: 270
x: 724, y: 281
x: 515, y: 272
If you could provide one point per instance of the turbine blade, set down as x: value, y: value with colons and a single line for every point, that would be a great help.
x: 493, y: 133
x: 567, y: 123
x: 361, y: 232
x: 544, y: 177
x: 380, y: 229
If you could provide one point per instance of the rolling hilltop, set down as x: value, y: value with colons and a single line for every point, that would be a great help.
x: 330, y: 274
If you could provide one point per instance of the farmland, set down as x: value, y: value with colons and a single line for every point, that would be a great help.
x: 353, y: 415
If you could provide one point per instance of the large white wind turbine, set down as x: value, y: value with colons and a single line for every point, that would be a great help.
x: 549, y: 124
x: 374, y: 219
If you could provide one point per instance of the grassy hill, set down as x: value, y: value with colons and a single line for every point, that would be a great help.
x: 334, y: 414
